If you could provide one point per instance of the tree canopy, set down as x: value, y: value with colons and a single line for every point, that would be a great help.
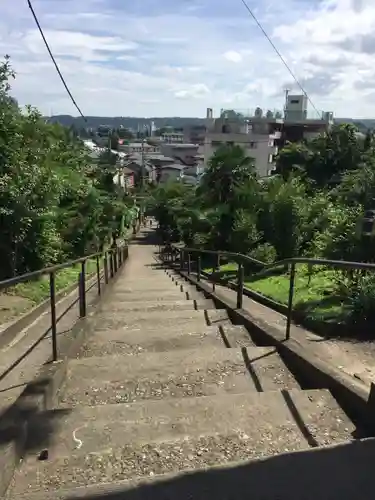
x: 54, y: 203
x: 312, y: 207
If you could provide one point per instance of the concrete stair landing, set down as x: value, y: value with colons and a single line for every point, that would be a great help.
x: 166, y: 390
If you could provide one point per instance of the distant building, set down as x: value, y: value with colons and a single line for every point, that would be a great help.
x: 256, y: 135
x: 137, y: 147
x: 169, y: 173
x: 195, y: 134
x: 260, y: 134
x: 299, y: 123
x: 182, y: 153
x: 172, y: 137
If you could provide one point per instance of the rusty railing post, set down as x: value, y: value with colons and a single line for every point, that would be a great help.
x: 199, y: 268
x: 111, y: 264
x: 240, y: 284
x: 82, y: 296
x: 115, y: 267
x: 52, y: 294
x: 105, y: 263
x: 216, y: 268
x: 98, y: 274
x: 290, y: 300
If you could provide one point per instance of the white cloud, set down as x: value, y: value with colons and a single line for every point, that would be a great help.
x: 195, y: 91
x: 179, y: 57
x: 233, y: 56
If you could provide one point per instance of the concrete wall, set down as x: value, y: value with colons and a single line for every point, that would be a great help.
x: 258, y: 146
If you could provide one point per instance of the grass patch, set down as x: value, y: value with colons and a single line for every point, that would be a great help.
x: 314, y: 292
x: 38, y: 290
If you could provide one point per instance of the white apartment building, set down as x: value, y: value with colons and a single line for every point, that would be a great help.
x: 139, y: 147
x: 261, y: 134
x: 256, y: 135
x: 300, y: 123
x: 172, y: 137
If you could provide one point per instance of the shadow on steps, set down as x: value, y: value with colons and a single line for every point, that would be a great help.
x: 150, y: 237
x: 343, y: 472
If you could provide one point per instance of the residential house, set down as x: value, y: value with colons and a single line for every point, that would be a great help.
x: 182, y: 153
x: 171, y: 173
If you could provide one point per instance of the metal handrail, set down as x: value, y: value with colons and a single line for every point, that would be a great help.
x: 240, y: 259
x: 113, y: 259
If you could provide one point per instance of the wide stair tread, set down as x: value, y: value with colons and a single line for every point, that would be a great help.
x: 118, y: 304
x: 121, y: 341
x: 165, y: 296
x: 154, y: 286
x: 174, y: 374
x: 103, y: 320
x: 130, y: 441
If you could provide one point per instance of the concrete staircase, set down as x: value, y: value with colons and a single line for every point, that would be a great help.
x: 166, y: 384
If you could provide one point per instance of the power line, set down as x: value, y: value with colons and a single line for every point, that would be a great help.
x: 54, y: 61
x: 278, y: 53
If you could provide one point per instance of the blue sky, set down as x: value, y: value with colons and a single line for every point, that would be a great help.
x: 178, y: 57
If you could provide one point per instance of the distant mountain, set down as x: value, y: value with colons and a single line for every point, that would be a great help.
x: 363, y: 124
x: 131, y: 122
x: 126, y: 121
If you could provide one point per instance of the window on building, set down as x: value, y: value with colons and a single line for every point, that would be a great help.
x: 294, y: 101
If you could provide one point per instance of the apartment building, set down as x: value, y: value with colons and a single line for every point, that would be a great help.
x: 261, y: 134
x: 195, y: 134
x: 172, y: 137
x: 257, y: 135
x: 139, y: 147
x: 302, y: 123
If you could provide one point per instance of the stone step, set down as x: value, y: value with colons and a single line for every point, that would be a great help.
x: 117, y: 304
x: 156, y: 286
x: 167, y: 295
x: 121, y: 341
x: 344, y: 471
x: 202, y: 371
x: 235, y: 336
x: 133, y: 320
x: 111, y: 443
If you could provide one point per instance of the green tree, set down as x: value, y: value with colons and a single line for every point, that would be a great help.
x: 54, y: 203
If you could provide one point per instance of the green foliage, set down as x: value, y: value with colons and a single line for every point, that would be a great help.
x: 311, y: 207
x: 53, y: 203
x: 265, y: 253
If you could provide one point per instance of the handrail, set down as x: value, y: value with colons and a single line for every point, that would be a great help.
x: 274, y: 265
x: 113, y: 259
x: 241, y: 259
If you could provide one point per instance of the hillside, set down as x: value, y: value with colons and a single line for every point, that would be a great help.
x: 125, y: 121
x: 175, y: 121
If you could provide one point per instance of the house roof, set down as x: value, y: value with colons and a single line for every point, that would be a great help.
x: 173, y: 166
x: 179, y: 145
x: 160, y: 157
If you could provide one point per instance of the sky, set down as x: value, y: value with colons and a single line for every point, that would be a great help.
x: 178, y: 57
